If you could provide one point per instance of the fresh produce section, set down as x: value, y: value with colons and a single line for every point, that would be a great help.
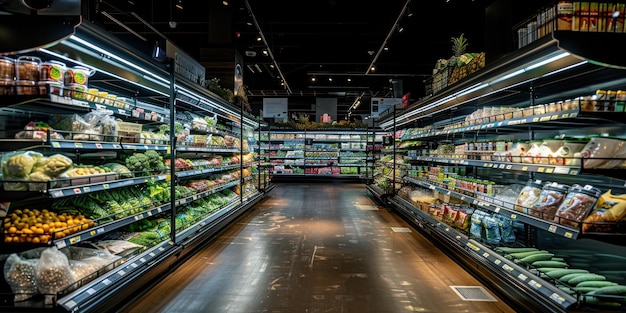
x: 530, y: 190
x: 96, y: 191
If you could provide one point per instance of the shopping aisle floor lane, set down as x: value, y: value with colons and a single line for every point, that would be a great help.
x: 320, y: 247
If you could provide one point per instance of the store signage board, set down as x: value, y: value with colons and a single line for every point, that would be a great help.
x: 185, y: 65
x: 379, y: 105
x: 275, y: 107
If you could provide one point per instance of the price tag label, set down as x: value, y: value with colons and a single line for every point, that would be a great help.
x: 535, y: 284
x: 106, y: 282
x: 462, y: 198
x: 554, y: 117
x: 486, y: 254
x: 78, y: 145
x: 557, y: 298
x: 142, y: 260
x: 91, y: 291
x: 57, y: 194
x: 507, y: 267
x: 122, y: 111
x: 541, y: 170
x: 513, y: 216
x: 149, y: 213
x: 99, y: 145
x: 574, y: 114
x: 509, y: 166
x: 121, y: 273
x: 565, y: 115
x: 86, y: 189
x: 61, y: 244
x: 77, y: 191
x: 497, y: 210
x: 146, y: 147
x: 137, y: 217
x: 535, y: 119
x: 55, y: 144
x: 151, y: 254
x: 159, y: 210
x: 105, y: 186
x: 74, y: 240
x: 552, y: 228
x: 522, y: 277
x: 550, y: 170
x: 568, y: 235
x: 134, y: 265
x: 524, y: 168
x: 544, y: 119
x: 573, y: 172
x: 497, y: 261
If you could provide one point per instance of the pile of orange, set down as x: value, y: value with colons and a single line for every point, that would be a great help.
x: 41, y: 226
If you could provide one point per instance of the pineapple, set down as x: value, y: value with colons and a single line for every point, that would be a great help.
x: 459, y: 45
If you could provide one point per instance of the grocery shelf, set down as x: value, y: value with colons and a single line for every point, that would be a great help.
x: 104, y: 228
x: 523, y: 167
x: 498, y: 206
x: 83, y: 189
x: 497, y: 263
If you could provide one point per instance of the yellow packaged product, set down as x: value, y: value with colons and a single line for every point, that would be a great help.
x: 609, y: 210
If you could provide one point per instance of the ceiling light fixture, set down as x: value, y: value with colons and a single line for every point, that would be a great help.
x: 265, y: 52
x: 224, y: 2
x: 386, y: 48
x: 391, y: 31
x: 349, y: 79
x: 258, y: 68
x: 409, y: 13
x: 400, y: 29
x: 258, y: 38
x: 250, y: 68
x: 179, y: 4
x: 313, y: 79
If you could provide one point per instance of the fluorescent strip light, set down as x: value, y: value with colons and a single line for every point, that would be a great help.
x: 507, y: 76
x: 565, y: 68
x: 119, y: 59
x: 546, y: 61
x: 59, y: 56
x: 474, y: 88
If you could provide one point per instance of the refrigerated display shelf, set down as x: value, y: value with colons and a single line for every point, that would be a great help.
x: 497, y: 206
x: 523, y: 167
x: 486, y: 256
x: 83, y: 189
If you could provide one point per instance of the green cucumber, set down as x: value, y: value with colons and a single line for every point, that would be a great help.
x: 596, y: 283
x: 521, y: 255
x: 585, y: 289
x: 536, y: 257
x: 566, y: 278
x: 549, y: 269
x: 610, y: 290
x: 514, y: 250
x: 565, y: 271
x: 585, y: 277
x: 549, y: 264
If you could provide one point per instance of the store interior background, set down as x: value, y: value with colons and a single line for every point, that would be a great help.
x: 331, y: 41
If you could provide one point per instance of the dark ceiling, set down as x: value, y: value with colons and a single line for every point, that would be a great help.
x: 325, y: 39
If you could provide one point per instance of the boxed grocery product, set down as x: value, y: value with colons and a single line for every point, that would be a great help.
x: 129, y: 132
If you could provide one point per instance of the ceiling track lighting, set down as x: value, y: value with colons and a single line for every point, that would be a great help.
x: 391, y: 31
x: 269, y: 51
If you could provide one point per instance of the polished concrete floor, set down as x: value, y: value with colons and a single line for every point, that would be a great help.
x: 318, y: 247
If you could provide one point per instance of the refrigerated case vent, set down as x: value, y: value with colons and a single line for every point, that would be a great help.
x: 473, y: 293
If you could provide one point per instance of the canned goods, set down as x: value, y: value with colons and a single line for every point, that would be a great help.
x: 27, y: 68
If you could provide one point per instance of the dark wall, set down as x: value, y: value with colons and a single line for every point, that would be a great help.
x: 500, y: 18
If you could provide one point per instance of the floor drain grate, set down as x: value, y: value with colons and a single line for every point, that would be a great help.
x: 401, y: 229
x: 473, y: 293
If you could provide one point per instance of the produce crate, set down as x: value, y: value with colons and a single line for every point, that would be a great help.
x: 461, y: 72
x: 129, y: 132
x: 438, y: 81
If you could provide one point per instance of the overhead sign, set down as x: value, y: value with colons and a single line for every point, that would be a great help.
x: 379, y: 105
x: 186, y: 66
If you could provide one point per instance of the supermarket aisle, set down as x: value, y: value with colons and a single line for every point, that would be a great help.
x: 320, y: 247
